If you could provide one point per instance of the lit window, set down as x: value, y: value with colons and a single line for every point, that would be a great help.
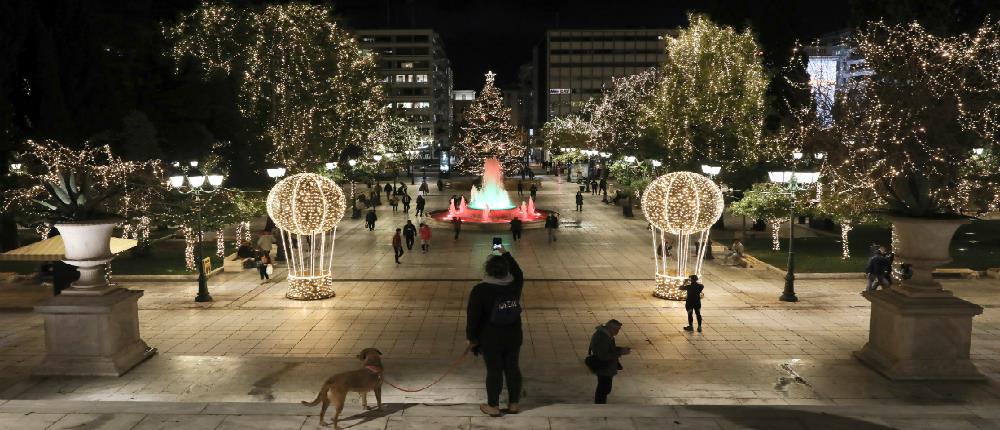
x: 400, y: 78
x: 422, y: 105
x: 421, y: 78
x: 406, y: 65
x: 404, y: 105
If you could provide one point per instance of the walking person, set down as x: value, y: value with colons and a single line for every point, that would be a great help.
x: 457, y: 225
x: 425, y: 237
x: 424, y: 188
x: 579, y: 201
x: 406, y: 202
x: 263, y: 260
x: 409, y: 233
x: 370, y: 219
x: 265, y: 242
x: 520, y: 188
x: 593, y: 187
x: 397, y: 246
x: 693, y: 301
x: 421, y: 201
x: 493, y: 329
x: 388, y: 190
x: 440, y: 185
x: 515, y: 228
x: 602, y: 358
x: 533, y: 190
x: 875, y: 272
x: 551, y: 224
x: 394, y: 203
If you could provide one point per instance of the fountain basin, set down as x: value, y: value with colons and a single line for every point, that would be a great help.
x: 499, y: 220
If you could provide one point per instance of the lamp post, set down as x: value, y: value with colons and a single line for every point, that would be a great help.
x: 793, y: 183
x: 604, y: 175
x: 411, y: 154
x: 196, y: 186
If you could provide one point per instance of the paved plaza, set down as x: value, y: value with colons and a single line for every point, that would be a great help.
x: 247, y: 359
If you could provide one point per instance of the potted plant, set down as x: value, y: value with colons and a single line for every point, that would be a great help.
x: 908, y: 126
x: 84, y: 194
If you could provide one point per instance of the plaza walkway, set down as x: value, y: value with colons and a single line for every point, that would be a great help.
x: 247, y: 359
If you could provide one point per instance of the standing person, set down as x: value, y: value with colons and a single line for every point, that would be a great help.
x: 603, y: 186
x: 457, y: 225
x: 735, y: 255
x: 409, y: 232
x: 397, y: 246
x: 421, y: 202
x: 406, y: 202
x: 263, y: 260
x: 424, y: 188
x: 551, y: 224
x: 520, y: 188
x: 602, y: 358
x: 375, y: 198
x: 425, y: 237
x: 493, y: 328
x: 440, y: 185
x: 265, y: 242
x: 388, y: 190
x: 876, y: 271
x: 533, y: 190
x: 370, y: 219
x: 579, y: 201
x: 693, y: 301
x: 515, y: 228
x: 593, y: 187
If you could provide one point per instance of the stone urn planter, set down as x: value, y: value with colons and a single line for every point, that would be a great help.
x: 88, y: 247
x: 91, y: 328
x: 918, y: 330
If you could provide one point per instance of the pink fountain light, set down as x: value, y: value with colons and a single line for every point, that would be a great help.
x: 491, y: 204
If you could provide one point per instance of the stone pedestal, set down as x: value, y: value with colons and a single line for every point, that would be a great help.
x: 920, y: 338
x: 92, y: 335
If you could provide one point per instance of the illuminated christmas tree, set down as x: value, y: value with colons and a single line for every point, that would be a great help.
x: 298, y: 73
x: 489, y: 132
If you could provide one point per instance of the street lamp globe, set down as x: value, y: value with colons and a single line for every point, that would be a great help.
x: 377, y: 157
x: 352, y: 162
x: 331, y: 166
x: 978, y: 151
x: 275, y: 172
x: 215, y: 179
x: 196, y: 179
x: 710, y: 170
x: 176, y: 181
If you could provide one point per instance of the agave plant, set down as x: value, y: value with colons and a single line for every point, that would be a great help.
x: 63, y: 184
x: 913, y: 194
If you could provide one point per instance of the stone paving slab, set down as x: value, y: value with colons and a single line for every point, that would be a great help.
x: 467, y: 416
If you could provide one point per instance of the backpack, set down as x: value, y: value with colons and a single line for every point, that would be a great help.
x: 506, y: 310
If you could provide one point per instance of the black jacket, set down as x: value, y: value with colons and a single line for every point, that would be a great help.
x: 693, y: 292
x: 478, y: 329
x: 409, y: 230
x: 579, y: 199
x: 602, y: 345
x: 515, y: 224
x: 371, y: 217
x: 878, y: 265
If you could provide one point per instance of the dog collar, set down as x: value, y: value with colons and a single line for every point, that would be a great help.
x: 373, y: 368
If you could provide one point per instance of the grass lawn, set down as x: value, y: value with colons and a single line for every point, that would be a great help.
x: 166, y: 258
x: 975, y: 246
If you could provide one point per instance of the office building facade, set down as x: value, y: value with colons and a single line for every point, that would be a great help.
x: 418, y: 81
x: 576, y: 64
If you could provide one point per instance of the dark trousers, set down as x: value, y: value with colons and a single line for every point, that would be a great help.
x: 456, y: 234
x: 370, y: 226
x: 579, y: 207
x: 398, y: 252
x: 502, y: 364
x: 516, y: 234
x: 420, y: 211
x: 406, y: 207
x: 696, y: 308
x: 409, y: 242
x: 603, y: 389
x: 263, y: 272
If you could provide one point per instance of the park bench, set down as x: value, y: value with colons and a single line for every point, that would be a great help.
x: 956, y: 273
x: 232, y: 263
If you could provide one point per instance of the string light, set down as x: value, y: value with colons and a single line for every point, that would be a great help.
x: 220, y: 243
x: 43, y: 230
x: 845, y: 230
x: 681, y: 204
x: 306, y: 208
x: 489, y: 132
x: 189, y: 243
x: 298, y: 71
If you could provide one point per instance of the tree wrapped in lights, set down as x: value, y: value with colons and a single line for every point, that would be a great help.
x: 681, y: 204
x: 770, y: 202
x: 710, y: 103
x: 489, y: 132
x: 619, y: 121
x: 307, y: 208
x: 910, y: 123
x: 396, y: 140
x: 571, y: 131
x: 300, y: 74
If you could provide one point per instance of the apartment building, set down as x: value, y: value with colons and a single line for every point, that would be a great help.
x: 418, y: 80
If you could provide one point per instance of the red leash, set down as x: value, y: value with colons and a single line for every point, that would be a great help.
x: 454, y: 365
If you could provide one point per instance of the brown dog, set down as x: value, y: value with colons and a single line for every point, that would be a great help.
x: 363, y: 380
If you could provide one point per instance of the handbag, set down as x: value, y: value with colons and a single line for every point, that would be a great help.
x: 594, y: 364
x: 269, y: 270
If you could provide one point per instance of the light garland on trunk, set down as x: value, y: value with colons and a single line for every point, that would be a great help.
x: 43, y: 230
x: 845, y: 230
x: 775, y: 229
x: 189, y: 241
x: 220, y: 242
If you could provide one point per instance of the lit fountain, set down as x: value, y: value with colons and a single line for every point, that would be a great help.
x: 490, y: 205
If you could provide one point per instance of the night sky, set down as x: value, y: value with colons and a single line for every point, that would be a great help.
x: 499, y: 35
